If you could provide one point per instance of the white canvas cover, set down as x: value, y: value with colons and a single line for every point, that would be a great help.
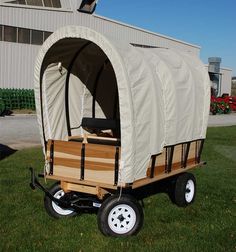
x: 164, y: 95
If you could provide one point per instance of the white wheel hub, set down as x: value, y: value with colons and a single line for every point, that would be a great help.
x: 58, y: 209
x: 190, y: 190
x: 122, y: 219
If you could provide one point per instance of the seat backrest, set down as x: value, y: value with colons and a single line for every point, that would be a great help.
x: 94, y: 125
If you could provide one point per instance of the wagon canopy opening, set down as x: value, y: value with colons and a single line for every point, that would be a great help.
x: 79, y: 81
x: 159, y: 96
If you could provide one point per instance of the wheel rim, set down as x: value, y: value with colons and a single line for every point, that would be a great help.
x: 122, y: 219
x: 59, y: 210
x: 190, y: 190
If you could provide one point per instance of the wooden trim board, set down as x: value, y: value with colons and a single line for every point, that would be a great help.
x: 94, y: 190
x: 146, y: 181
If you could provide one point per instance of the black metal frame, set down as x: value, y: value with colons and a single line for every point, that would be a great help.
x: 185, y: 153
x: 51, y: 162
x: 96, y: 85
x: 35, y: 183
x: 92, y: 203
x: 42, y: 118
x: 169, y: 158
x: 116, y: 175
x: 82, y: 162
x: 200, y: 150
x: 169, y: 152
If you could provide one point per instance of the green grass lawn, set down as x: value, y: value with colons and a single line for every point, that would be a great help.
x: 207, y: 225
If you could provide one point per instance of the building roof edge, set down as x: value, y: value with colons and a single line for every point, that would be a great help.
x: 147, y: 31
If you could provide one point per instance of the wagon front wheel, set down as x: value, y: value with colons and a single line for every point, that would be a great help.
x: 120, y: 216
x: 52, y: 208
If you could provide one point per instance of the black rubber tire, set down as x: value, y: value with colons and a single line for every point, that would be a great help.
x: 109, y: 204
x: 49, y: 206
x: 179, y: 196
x: 170, y: 189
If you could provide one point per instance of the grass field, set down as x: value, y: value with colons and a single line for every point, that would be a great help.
x: 207, y: 225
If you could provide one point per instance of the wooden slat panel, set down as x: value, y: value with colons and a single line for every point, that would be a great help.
x: 160, y: 159
x: 73, y: 148
x: 82, y: 188
x: 89, y: 136
x: 100, y: 176
x: 91, y: 159
x: 101, y: 151
x: 158, y: 170
x: 177, y: 153
x: 192, y: 150
x: 67, y: 162
x: 83, y: 182
x: 89, y: 165
x: 65, y: 171
x: 66, y: 156
x: 176, y: 166
x: 91, y: 189
x: 91, y: 150
x: 191, y: 161
x: 99, y: 161
x: 161, y: 169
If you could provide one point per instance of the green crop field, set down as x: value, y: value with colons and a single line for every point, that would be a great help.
x: 207, y: 225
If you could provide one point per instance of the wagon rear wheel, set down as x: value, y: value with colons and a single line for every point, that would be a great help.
x: 52, y: 208
x: 185, y: 190
x: 119, y: 217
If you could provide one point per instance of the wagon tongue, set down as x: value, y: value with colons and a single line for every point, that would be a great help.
x: 70, y: 200
x: 36, y: 184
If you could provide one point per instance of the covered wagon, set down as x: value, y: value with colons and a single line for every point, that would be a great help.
x: 115, y: 118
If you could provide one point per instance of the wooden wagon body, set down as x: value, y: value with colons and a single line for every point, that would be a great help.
x: 94, y: 167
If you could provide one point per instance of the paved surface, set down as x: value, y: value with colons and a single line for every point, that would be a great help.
x: 21, y: 131
x: 222, y: 120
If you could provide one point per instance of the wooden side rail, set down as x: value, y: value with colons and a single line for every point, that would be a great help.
x: 95, y: 140
x: 96, y: 164
x: 84, y: 161
x: 175, y: 157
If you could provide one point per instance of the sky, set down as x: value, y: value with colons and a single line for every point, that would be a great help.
x: 210, y: 24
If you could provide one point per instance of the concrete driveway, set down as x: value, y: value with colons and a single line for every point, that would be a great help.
x: 21, y: 131
x: 222, y: 120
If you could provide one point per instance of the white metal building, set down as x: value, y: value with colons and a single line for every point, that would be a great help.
x: 225, y: 86
x: 25, y: 24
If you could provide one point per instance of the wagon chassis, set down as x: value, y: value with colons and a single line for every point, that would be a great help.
x: 94, y: 193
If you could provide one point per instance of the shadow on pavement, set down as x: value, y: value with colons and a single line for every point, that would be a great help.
x: 5, y: 151
x: 6, y: 113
